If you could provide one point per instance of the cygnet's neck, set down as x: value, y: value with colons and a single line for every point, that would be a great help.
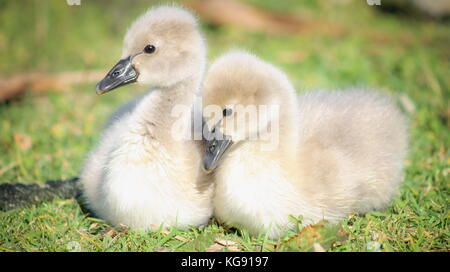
x: 182, y: 92
x: 166, y: 107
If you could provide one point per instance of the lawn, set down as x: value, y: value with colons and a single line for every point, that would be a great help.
x: 47, y: 136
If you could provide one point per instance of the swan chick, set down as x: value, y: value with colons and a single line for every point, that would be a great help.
x: 332, y: 153
x: 140, y: 174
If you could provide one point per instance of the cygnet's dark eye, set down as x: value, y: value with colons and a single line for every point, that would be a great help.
x: 227, y: 112
x: 149, y: 48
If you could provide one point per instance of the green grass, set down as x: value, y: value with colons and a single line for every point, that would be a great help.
x: 47, y: 136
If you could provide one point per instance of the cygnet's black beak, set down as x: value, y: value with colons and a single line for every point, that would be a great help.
x: 216, y: 147
x: 121, y: 74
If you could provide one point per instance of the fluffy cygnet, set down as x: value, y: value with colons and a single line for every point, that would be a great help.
x: 322, y: 155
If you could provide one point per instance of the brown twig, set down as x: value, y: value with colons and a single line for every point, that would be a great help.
x: 236, y: 13
x: 17, y: 85
x: 244, y: 15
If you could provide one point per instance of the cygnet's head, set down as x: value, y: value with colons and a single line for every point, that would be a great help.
x: 161, y: 48
x: 241, y: 101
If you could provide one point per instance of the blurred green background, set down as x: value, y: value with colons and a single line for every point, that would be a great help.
x: 340, y: 43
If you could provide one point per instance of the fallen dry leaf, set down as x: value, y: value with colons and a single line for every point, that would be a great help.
x: 317, y: 237
x: 23, y: 141
x: 233, y: 248
x: 221, y: 244
x: 318, y: 248
x: 407, y: 104
x: 123, y: 227
x: 214, y: 248
x: 225, y: 242
x: 180, y: 238
x: 161, y: 249
x: 93, y: 226
x: 230, y: 245
x: 110, y: 233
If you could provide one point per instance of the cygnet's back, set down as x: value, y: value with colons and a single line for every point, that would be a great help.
x: 352, y: 149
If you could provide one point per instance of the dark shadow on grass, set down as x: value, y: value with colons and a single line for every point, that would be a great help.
x: 18, y: 195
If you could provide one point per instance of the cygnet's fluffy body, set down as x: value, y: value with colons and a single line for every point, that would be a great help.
x: 339, y: 152
x: 139, y: 175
